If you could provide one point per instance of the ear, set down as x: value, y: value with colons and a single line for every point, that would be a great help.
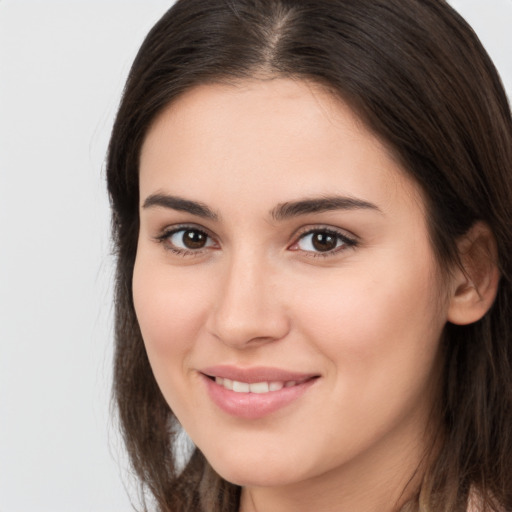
x: 475, y: 282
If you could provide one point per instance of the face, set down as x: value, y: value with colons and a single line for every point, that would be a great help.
x: 285, y: 285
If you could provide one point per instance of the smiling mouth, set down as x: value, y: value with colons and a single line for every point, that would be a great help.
x: 257, y: 387
x: 255, y: 393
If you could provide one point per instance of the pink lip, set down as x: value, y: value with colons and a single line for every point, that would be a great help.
x: 255, y: 374
x: 255, y: 405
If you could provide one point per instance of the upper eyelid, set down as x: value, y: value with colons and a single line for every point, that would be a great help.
x: 349, y: 241
x: 306, y: 230
x: 165, y: 233
x: 169, y: 230
x: 298, y: 232
x: 163, y: 237
x: 295, y: 237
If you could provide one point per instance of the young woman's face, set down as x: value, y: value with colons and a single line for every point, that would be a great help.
x: 285, y: 286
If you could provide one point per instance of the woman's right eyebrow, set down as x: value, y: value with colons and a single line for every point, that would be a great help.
x: 180, y: 204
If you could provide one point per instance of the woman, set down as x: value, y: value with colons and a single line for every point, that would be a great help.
x: 312, y: 213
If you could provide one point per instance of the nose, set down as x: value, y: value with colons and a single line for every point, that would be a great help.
x: 249, y: 309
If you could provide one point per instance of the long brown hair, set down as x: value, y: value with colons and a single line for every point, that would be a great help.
x: 418, y: 76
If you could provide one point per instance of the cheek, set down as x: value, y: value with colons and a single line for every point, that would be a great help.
x: 379, y: 326
x: 170, y: 312
x: 380, y: 333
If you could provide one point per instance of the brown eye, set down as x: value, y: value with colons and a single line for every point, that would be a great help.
x: 323, y: 241
x: 188, y: 239
x: 193, y: 239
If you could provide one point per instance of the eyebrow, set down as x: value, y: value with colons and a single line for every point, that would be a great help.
x: 287, y: 210
x: 281, y: 212
x: 180, y: 204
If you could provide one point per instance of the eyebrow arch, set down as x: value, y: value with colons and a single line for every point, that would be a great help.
x: 180, y: 204
x: 287, y: 210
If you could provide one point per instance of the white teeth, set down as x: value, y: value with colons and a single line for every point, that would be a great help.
x: 255, y: 387
x: 275, y: 386
x: 240, y: 387
x: 259, y: 387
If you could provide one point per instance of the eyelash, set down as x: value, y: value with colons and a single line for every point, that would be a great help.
x: 164, y: 238
x: 346, y: 241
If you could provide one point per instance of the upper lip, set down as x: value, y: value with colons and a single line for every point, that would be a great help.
x: 256, y: 374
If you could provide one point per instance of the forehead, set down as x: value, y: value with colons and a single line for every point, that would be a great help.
x: 275, y: 139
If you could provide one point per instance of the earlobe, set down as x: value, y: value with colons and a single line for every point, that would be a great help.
x: 475, y: 282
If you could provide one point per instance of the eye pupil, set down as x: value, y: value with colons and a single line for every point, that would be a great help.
x: 193, y: 239
x: 324, y: 241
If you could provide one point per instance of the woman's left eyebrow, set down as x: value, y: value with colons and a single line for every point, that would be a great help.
x: 286, y: 210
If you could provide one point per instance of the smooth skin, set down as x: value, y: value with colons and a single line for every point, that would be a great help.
x: 352, y: 294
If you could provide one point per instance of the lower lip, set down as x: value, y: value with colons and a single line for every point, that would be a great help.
x: 254, y: 405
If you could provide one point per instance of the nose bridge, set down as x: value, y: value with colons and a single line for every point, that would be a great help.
x: 249, y: 307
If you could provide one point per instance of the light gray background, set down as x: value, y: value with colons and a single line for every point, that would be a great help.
x: 62, y: 68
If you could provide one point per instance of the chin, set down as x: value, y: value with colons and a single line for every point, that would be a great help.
x: 255, y: 477
x: 261, y: 470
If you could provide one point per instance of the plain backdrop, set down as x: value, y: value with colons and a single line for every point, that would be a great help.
x: 62, y: 68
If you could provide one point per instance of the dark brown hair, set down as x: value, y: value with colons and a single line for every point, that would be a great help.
x: 417, y: 75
